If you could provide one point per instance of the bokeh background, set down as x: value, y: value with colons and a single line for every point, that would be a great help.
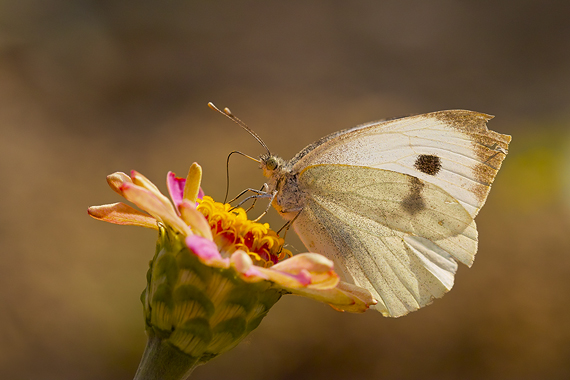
x: 92, y: 87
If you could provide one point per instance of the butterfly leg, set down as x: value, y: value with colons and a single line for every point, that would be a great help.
x: 266, y: 195
x: 254, y: 197
x: 263, y: 190
x: 288, y: 225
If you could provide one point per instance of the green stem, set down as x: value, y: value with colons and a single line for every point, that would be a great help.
x: 161, y: 361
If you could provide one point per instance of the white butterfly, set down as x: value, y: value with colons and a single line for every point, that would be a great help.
x: 392, y: 203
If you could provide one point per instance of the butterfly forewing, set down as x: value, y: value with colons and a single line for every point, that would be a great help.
x: 452, y: 149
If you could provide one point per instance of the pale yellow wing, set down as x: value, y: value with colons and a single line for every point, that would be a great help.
x: 391, y: 233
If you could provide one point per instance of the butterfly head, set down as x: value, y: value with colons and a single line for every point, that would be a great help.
x: 271, y: 164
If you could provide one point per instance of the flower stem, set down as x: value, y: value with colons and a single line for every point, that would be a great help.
x: 161, y: 361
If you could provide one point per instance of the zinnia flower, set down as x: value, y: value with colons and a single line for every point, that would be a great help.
x: 215, y: 274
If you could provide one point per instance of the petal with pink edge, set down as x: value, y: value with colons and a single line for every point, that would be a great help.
x: 175, y: 187
x: 308, y: 270
x: 312, y: 265
x: 205, y: 249
x: 242, y: 263
x: 120, y: 213
x: 141, y: 181
x: 148, y: 201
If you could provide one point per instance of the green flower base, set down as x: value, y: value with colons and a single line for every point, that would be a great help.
x: 195, y: 312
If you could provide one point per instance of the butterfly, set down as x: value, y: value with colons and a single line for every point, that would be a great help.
x: 392, y: 203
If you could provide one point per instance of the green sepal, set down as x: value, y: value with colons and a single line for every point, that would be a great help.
x: 194, y: 310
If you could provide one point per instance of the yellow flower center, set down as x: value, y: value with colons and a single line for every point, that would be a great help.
x: 232, y: 231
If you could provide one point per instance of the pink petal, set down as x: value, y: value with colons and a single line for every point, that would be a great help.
x: 203, y: 248
x: 120, y: 213
x: 304, y: 277
x: 287, y: 280
x: 324, y: 285
x: 142, y: 181
x: 200, y: 193
x: 307, y: 270
x: 175, y: 188
x: 311, y: 262
x: 148, y: 201
x: 242, y: 262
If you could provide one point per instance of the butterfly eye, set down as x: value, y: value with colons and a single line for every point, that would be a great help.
x: 271, y: 163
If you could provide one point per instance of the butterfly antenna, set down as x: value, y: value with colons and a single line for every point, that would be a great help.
x: 227, y: 113
x: 228, y: 170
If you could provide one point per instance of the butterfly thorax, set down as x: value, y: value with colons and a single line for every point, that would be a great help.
x: 282, y: 180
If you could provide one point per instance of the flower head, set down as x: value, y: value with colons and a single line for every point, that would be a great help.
x: 215, y: 274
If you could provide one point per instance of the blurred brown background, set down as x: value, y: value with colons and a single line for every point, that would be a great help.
x: 92, y: 87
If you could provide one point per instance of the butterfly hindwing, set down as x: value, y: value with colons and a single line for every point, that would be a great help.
x: 388, y: 232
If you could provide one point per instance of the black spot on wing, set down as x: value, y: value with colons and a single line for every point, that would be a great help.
x: 428, y: 164
x: 414, y: 202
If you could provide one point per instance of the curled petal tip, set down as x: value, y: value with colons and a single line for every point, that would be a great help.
x: 243, y: 264
x: 116, y: 180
